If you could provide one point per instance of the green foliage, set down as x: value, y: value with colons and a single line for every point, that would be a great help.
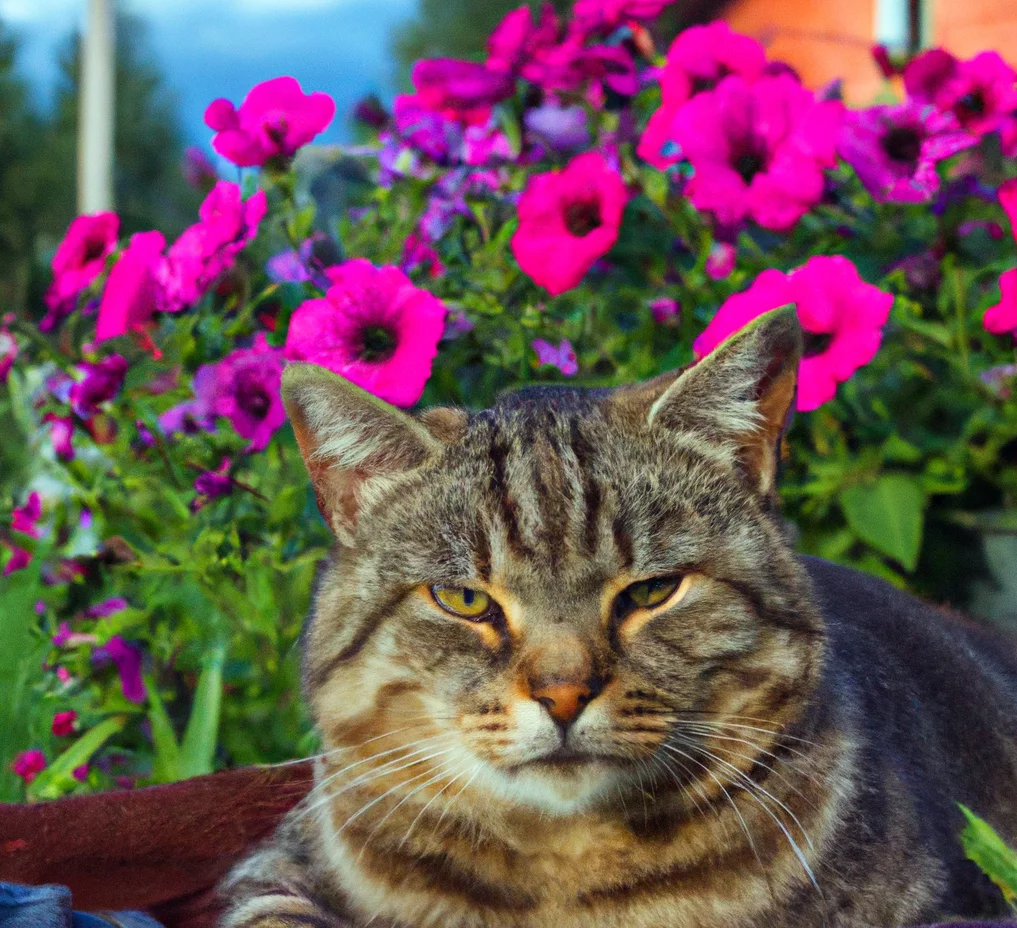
x: 991, y: 854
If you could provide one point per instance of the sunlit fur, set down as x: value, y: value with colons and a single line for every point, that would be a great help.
x: 748, y: 757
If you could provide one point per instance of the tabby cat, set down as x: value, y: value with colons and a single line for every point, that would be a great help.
x: 568, y: 672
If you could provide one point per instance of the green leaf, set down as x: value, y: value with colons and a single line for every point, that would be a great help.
x: 57, y: 778
x: 166, y: 765
x: 993, y: 857
x: 889, y: 514
x: 201, y: 734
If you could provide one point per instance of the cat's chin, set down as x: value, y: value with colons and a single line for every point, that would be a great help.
x: 557, y: 783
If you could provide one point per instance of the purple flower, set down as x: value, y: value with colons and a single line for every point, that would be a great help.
x: 558, y: 128
x: 80, y: 773
x: 102, y: 382
x: 244, y: 388
x: 211, y: 484
x: 19, y: 559
x: 419, y: 255
x: 370, y: 111
x: 127, y: 658
x: 451, y: 84
x: 895, y: 149
x: 665, y: 309
x: 29, y: 764
x: 299, y: 266
x: 61, y: 430
x: 26, y: 518
x: 66, y: 637
x: 562, y: 357
x: 105, y: 609
x: 1001, y: 380
x: 457, y: 323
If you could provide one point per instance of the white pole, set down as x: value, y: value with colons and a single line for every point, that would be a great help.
x: 95, y: 128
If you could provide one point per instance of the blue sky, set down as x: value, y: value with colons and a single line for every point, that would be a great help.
x: 220, y: 48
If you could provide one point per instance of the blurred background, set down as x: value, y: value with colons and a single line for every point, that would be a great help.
x: 172, y: 59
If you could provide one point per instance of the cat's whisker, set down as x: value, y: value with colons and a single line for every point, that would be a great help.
x: 747, y: 718
x: 426, y: 806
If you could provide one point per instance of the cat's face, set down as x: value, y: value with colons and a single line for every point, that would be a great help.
x: 558, y: 599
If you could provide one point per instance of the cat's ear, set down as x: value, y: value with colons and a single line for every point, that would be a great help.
x: 740, y: 398
x: 352, y: 442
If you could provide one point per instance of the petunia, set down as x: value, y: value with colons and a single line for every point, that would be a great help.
x: 1007, y: 196
x: 244, y: 388
x: 25, y: 519
x: 758, y: 150
x: 19, y: 558
x: 105, y: 609
x: 980, y: 93
x: 29, y: 764
x: 519, y: 37
x: 1002, y: 318
x: 211, y: 484
x: 61, y: 430
x: 198, y: 169
x: 8, y: 352
x: 665, y: 310
x: 127, y: 658
x: 557, y: 128
x: 101, y: 383
x: 131, y: 294
x: 80, y: 773
x: 418, y: 254
x: 567, y: 220
x: 274, y: 120
x: 599, y: 17
x: 721, y: 260
x: 63, y: 723
x: 449, y: 84
x: 78, y: 260
x: 842, y: 316
x: 207, y: 250
x: 895, y: 149
x: 373, y: 327
x: 561, y: 356
x: 699, y: 58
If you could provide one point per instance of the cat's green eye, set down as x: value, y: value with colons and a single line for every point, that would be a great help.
x: 462, y: 601
x: 645, y: 594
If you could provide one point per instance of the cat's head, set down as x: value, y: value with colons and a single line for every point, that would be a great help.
x: 556, y: 595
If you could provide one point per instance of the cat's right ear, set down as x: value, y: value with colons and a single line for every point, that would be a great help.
x: 353, y: 443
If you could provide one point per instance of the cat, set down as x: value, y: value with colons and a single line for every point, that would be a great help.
x: 568, y: 671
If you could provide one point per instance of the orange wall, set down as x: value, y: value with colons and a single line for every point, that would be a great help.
x: 822, y: 39
x: 967, y: 27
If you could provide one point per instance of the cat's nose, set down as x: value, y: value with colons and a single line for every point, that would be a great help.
x: 564, y: 700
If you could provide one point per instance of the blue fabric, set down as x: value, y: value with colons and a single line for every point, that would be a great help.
x: 50, y: 907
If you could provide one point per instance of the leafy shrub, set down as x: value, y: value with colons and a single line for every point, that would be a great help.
x: 578, y: 208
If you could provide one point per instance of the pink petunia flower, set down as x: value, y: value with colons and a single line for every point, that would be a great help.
x: 211, y: 484
x: 207, y: 250
x: 19, y: 559
x: 665, y: 310
x: 29, y: 764
x: 843, y: 319
x: 567, y: 220
x: 131, y: 294
x: 600, y: 17
x: 274, y: 120
x: 418, y: 254
x: 373, y: 327
x: 519, y: 37
x: 721, y: 260
x: 63, y: 723
x: 699, y: 58
x: 80, y: 773
x: 8, y: 351
x: 244, y: 388
x: 895, y: 149
x: 25, y: 519
x: 105, y: 609
x: 1007, y: 195
x: 102, y: 382
x: 78, y: 260
x: 127, y: 658
x: 61, y: 430
x: 561, y: 356
x: 1002, y: 317
x: 450, y: 84
x: 980, y: 93
x: 758, y: 150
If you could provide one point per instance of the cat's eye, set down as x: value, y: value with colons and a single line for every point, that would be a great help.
x: 646, y: 594
x: 463, y: 601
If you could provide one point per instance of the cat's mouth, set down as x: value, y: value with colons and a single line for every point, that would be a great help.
x: 564, y: 759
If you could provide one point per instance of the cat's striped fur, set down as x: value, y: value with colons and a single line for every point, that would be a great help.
x: 780, y: 744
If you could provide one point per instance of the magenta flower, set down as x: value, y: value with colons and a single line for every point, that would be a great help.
x: 567, y: 220
x: 244, y: 388
x: 980, y: 93
x: 561, y: 356
x: 29, y: 764
x: 758, y: 150
x: 418, y: 254
x: 699, y: 58
x: 721, y: 260
x: 843, y: 319
x: 518, y: 38
x: 274, y: 120
x: 8, y: 352
x: 102, y: 383
x: 65, y: 637
x: 80, y: 773
x: 372, y: 327
x: 131, y: 294
x: 599, y: 17
x: 665, y: 310
x: 211, y: 484
x: 127, y: 658
x: 105, y: 609
x: 19, y: 559
x: 78, y: 260
x: 63, y: 723
x: 448, y: 84
x: 26, y: 518
x: 895, y: 149
x: 207, y: 250
x: 1007, y: 195
x: 1002, y: 318
x: 61, y: 429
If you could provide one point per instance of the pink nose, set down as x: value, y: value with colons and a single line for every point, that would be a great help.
x: 564, y: 701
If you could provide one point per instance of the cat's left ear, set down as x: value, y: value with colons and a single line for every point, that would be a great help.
x: 740, y: 398
x: 353, y: 443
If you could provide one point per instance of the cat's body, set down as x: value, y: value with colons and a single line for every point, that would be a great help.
x: 661, y: 719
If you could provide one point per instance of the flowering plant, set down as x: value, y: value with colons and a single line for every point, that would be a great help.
x: 577, y: 207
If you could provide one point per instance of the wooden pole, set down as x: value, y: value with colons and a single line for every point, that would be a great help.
x: 96, y: 109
